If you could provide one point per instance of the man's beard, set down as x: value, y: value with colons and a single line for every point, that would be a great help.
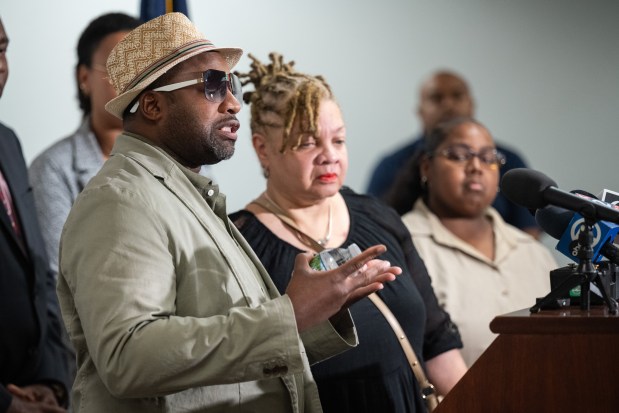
x: 194, y: 143
x: 220, y: 149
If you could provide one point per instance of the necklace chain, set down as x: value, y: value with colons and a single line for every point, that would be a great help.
x: 327, y: 237
x: 322, y: 241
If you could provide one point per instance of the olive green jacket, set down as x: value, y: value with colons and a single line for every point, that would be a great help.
x: 168, y: 308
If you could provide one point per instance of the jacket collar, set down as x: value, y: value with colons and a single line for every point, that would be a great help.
x: 505, y: 240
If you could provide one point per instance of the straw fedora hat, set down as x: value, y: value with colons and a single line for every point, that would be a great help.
x: 150, y: 50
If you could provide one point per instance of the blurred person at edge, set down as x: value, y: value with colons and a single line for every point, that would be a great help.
x: 33, y: 362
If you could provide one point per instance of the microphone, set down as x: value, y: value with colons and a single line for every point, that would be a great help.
x: 565, y: 226
x: 534, y: 190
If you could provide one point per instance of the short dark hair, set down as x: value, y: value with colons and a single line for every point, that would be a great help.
x: 91, y: 38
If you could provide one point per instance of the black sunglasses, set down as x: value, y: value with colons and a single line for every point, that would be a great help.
x: 216, y: 85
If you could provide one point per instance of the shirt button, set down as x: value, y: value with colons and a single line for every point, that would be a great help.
x: 210, y: 192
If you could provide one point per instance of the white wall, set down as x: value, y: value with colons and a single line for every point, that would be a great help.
x: 545, y: 76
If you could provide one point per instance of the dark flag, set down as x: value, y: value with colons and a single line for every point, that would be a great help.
x: 149, y: 9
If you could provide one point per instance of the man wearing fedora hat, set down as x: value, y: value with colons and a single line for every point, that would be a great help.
x: 167, y: 306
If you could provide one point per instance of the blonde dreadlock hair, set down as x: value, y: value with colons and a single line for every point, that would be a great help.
x: 282, y: 95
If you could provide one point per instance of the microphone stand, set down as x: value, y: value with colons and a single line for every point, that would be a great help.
x: 585, y: 274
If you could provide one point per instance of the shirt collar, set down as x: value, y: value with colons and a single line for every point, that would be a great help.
x: 504, y: 239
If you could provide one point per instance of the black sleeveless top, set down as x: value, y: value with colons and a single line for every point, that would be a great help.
x: 373, y: 377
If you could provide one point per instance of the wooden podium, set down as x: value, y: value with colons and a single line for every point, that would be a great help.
x: 559, y: 361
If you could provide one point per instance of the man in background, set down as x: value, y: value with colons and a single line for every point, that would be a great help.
x: 33, y: 370
x: 446, y: 95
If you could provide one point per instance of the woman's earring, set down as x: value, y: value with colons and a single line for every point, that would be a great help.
x: 424, y: 182
x: 265, y: 172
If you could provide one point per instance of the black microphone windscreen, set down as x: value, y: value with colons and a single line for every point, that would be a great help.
x: 554, y: 220
x: 526, y: 187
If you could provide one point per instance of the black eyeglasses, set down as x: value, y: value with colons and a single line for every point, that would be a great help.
x: 216, y: 85
x: 462, y: 153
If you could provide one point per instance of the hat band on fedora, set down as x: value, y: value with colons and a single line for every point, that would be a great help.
x: 172, y: 56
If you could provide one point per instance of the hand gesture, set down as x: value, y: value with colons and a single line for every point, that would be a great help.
x: 317, y: 295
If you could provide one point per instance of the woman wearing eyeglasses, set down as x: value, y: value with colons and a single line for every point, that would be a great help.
x: 299, y: 136
x: 480, y: 266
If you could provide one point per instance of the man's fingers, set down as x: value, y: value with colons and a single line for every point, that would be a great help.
x: 371, y: 281
x: 370, y: 253
x: 357, y: 262
x: 302, y: 259
x: 316, y: 295
x: 376, y: 271
x: 363, y: 292
x: 20, y: 392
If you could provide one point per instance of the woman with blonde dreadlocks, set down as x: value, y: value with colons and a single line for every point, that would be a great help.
x: 300, y: 139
